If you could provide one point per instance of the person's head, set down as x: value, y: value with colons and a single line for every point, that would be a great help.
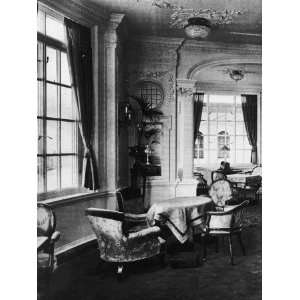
x: 222, y: 165
x: 226, y: 165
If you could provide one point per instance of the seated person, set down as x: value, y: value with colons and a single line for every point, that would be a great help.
x: 225, y: 168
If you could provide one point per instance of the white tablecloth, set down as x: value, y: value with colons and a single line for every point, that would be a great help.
x: 180, y: 214
x: 244, y: 178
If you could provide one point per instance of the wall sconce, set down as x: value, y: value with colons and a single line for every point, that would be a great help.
x: 126, y: 114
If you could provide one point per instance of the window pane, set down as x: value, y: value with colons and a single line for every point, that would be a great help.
x: 52, y: 137
x: 203, y: 127
x: 40, y: 60
x: 239, y: 156
x: 55, y: 29
x: 41, y: 22
x: 51, y: 64
x: 52, y: 105
x: 67, y: 109
x: 212, y: 156
x: 40, y: 98
x: 67, y: 137
x: 221, y: 116
x: 40, y: 168
x: 230, y: 128
x: 247, y: 156
x: 230, y: 113
x: 68, y: 171
x: 212, y: 116
x: 40, y: 136
x: 239, y: 114
x: 239, y: 142
x: 212, y: 142
x: 221, y: 127
x: 240, y: 128
x: 221, y: 99
x: 204, y: 112
x: 65, y: 74
x: 52, y: 173
x: 213, y: 128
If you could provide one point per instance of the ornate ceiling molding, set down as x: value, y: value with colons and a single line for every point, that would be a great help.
x: 223, y: 62
x: 180, y: 15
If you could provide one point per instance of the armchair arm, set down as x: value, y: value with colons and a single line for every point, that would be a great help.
x: 147, y: 232
x: 55, y: 237
x: 135, y: 218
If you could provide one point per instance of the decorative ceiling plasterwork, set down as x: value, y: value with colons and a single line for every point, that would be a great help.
x: 180, y: 15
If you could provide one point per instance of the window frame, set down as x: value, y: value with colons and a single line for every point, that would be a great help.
x: 207, y: 135
x: 60, y: 48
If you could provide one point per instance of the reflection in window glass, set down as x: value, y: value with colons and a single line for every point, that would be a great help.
x: 40, y: 61
x: 67, y: 134
x: 52, y: 105
x: 69, y: 177
x: 51, y: 64
x: 65, y: 74
x: 40, y: 171
x: 67, y: 110
x: 52, y: 174
x: 52, y: 129
x: 40, y: 97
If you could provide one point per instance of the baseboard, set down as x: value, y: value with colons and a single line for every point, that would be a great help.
x: 73, y: 249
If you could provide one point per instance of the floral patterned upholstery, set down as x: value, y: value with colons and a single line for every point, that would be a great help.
x: 118, y: 240
x: 220, y: 191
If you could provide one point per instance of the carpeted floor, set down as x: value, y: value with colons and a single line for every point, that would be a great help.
x: 82, y: 279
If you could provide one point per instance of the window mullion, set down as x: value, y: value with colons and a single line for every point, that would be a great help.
x: 58, y: 70
x: 44, y: 124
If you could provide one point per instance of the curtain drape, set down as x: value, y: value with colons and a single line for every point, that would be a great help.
x: 249, y: 107
x: 79, y: 54
x: 198, y: 106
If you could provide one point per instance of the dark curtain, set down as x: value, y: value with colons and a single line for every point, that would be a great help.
x: 249, y: 106
x: 79, y: 54
x: 198, y: 106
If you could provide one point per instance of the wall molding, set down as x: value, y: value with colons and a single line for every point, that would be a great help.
x: 79, y: 11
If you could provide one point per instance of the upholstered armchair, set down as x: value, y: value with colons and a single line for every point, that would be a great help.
x: 228, y: 222
x: 119, y: 240
x: 47, y: 237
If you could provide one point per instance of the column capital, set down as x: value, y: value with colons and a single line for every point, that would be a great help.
x: 186, y: 87
x: 113, y: 24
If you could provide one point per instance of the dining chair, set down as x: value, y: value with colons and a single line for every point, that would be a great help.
x: 227, y: 223
x: 216, y: 175
x: 222, y: 193
x: 119, y: 241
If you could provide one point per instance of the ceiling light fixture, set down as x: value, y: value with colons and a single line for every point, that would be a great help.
x: 197, y: 28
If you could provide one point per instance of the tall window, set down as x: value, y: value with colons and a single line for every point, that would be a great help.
x: 58, y: 167
x: 223, y: 131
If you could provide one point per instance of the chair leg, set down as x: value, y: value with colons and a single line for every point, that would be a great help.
x: 230, y: 249
x: 241, y: 243
x: 204, y: 248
